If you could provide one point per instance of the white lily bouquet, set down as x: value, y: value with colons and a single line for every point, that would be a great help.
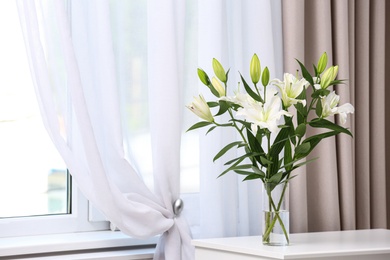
x: 272, y: 137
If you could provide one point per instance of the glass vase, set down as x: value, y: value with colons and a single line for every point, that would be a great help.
x: 276, y: 214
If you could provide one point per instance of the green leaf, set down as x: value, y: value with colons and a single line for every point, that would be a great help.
x: 242, y: 166
x: 252, y: 177
x: 236, y: 167
x: 287, y: 154
x: 289, y: 123
x: 301, y: 110
x: 211, y: 129
x: 212, y: 104
x: 258, y: 171
x: 230, y: 168
x: 255, y: 145
x: 246, y: 124
x: 225, y: 149
x: 323, y: 123
x: 276, y: 178
x: 243, y: 172
x: 313, y: 141
x: 213, y: 90
x: 199, y: 125
x: 304, y: 163
x: 305, y: 73
x: 247, y: 155
x: 320, y: 93
x: 250, y: 91
x: 337, y: 82
x: 302, y: 148
x: 279, y: 142
x: 223, y: 107
x: 227, y: 75
x: 319, y: 108
x: 315, y: 71
x: 265, y: 161
x: 300, y: 130
x: 275, y: 164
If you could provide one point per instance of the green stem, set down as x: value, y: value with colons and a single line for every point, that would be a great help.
x: 270, y: 226
x: 268, y: 134
x: 235, y: 126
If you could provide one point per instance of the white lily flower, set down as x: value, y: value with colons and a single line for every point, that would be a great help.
x: 200, y: 107
x: 290, y: 89
x: 265, y: 115
x: 241, y: 99
x: 329, y: 107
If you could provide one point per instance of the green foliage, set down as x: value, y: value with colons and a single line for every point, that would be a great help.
x: 250, y: 92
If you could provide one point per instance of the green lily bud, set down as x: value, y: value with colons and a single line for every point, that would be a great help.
x: 255, y: 69
x: 265, y: 77
x: 329, y: 75
x: 219, y: 71
x: 335, y: 72
x: 203, y: 77
x: 322, y: 62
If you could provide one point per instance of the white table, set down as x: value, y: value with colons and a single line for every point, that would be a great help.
x: 340, y: 245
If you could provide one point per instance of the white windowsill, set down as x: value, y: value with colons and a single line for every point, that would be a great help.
x: 48, y: 244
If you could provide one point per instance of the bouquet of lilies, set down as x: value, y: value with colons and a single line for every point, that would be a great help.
x: 271, y: 118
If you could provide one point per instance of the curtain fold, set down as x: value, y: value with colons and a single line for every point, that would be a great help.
x: 93, y: 152
x: 346, y: 187
x: 166, y: 20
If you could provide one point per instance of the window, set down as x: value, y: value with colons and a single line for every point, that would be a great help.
x: 34, y: 177
x: 60, y: 201
x: 36, y: 193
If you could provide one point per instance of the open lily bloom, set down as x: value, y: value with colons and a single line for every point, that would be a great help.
x: 329, y: 107
x: 265, y: 115
x: 240, y: 99
x: 290, y: 89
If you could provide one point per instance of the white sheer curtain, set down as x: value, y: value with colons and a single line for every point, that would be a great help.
x: 74, y: 63
x: 232, y: 31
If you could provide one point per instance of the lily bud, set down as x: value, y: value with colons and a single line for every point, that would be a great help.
x: 329, y: 75
x: 200, y: 107
x: 255, y: 69
x: 219, y: 71
x: 265, y: 77
x: 322, y: 62
x: 218, y: 87
x: 335, y: 72
x: 203, y: 77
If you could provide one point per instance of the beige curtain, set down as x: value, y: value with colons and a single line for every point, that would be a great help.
x: 348, y: 187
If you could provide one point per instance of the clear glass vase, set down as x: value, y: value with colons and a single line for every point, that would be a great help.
x: 276, y: 214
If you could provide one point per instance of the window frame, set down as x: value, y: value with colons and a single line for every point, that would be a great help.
x: 82, y: 218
